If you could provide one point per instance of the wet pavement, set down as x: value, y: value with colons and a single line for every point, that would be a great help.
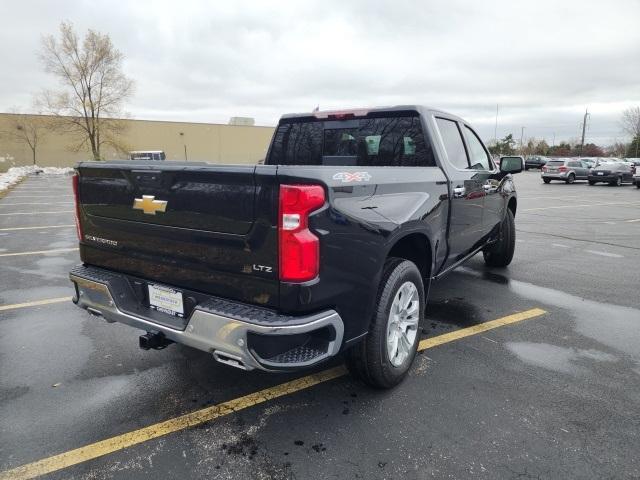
x: 556, y: 396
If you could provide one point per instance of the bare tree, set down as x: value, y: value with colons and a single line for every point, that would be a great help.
x: 27, y: 129
x: 93, y: 88
x: 630, y: 121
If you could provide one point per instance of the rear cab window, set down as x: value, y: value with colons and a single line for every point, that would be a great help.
x: 388, y: 140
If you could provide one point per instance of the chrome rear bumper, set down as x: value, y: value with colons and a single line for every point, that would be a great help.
x: 227, y: 337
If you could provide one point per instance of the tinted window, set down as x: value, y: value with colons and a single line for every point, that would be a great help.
x: 478, y: 156
x: 453, y: 143
x: 555, y: 163
x: 575, y: 164
x: 387, y: 141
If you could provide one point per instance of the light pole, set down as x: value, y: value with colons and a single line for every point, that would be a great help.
x: 584, y: 126
x: 521, y: 140
x: 185, y: 145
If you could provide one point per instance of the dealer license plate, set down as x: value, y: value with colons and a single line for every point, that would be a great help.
x: 600, y: 173
x: 166, y: 300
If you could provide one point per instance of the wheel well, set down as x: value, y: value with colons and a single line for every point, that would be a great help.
x: 417, y: 248
x: 512, y: 205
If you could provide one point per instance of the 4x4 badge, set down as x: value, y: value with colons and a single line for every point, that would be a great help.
x: 347, y: 177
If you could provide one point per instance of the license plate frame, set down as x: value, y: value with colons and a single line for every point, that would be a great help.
x: 165, y: 299
x: 600, y: 173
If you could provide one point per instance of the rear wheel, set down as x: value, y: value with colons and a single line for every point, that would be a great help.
x: 500, y: 254
x: 546, y: 180
x: 637, y: 184
x: 384, y: 357
x: 591, y: 182
x: 571, y: 178
x: 617, y: 182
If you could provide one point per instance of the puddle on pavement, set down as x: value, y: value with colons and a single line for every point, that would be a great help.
x: 47, y: 262
x: 556, y: 358
x: 452, y: 311
x: 21, y: 295
x: 613, y: 326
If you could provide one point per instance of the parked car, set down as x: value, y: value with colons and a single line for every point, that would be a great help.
x: 590, y: 162
x: 611, y: 173
x: 635, y: 164
x: 330, y: 246
x: 636, y: 178
x: 567, y: 170
x: 534, y: 161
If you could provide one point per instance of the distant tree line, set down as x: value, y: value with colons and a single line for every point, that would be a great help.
x: 533, y: 146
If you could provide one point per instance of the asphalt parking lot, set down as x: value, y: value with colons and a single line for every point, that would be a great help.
x: 553, y: 392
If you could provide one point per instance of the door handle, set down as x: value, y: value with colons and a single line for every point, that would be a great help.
x: 459, y: 192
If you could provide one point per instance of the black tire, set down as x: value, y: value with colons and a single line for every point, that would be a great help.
x: 546, y: 180
x: 592, y: 183
x: 617, y: 182
x: 637, y: 184
x: 369, y: 359
x: 501, y: 253
x: 571, y: 178
x: 526, y: 168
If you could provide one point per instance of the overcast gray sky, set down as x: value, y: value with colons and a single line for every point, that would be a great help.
x: 543, y: 62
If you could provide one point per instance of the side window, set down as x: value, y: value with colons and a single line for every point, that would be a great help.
x: 452, y: 139
x: 478, y: 155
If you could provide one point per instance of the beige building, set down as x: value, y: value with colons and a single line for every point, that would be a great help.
x: 209, y: 142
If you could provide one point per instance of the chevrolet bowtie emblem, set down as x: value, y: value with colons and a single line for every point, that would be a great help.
x: 149, y: 205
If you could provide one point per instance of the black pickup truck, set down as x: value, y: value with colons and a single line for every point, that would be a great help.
x: 330, y: 246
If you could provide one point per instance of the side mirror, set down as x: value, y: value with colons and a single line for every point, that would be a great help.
x: 511, y: 165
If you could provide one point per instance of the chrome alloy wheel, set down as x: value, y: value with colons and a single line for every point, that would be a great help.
x: 402, y: 326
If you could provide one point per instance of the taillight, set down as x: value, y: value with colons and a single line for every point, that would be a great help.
x: 299, y: 247
x: 544, y: 169
x: 75, y: 180
x: 562, y: 169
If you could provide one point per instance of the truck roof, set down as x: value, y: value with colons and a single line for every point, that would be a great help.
x: 422, y: 109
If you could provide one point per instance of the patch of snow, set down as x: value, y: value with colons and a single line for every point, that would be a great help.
x: 16, y: 174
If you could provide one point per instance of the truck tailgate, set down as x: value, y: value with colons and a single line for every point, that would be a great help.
x: 208, y: 228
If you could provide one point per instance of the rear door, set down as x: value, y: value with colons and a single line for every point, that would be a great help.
x: 578, y: 168
x: 466, y: 192
x: 480, y: 160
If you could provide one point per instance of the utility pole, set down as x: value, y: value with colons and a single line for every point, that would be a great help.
x: 553, y: 144
x: 495, y: 130
x: 584, y: 126
x: 521, y: 140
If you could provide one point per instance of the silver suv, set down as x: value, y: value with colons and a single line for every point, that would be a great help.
x: 567, y: 170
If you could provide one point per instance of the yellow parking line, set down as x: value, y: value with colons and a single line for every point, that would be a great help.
x: 481, y: 327
x: 38, y: 252
x: 35, y: 303
x: 35, y: 213
x: 35, y: 228
x: 120, y: 442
